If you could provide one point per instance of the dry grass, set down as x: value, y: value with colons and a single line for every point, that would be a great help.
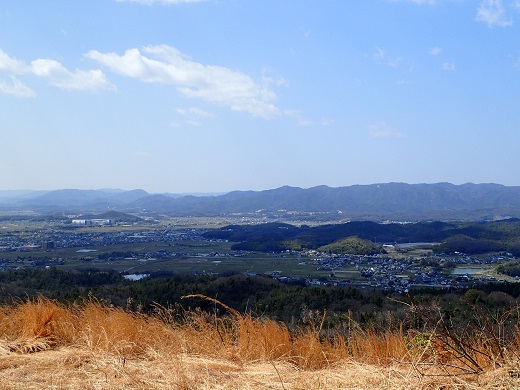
x: 45, y: 344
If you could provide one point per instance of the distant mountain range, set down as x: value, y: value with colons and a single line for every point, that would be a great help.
x: 386, y: 201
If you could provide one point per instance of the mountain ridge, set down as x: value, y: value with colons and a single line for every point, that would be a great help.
x: 380, y: 201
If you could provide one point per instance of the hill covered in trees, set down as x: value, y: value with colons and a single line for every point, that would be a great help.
x: 467, y: 237
x: 376, y: 202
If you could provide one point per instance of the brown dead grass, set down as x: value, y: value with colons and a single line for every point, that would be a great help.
x: 45, y: 344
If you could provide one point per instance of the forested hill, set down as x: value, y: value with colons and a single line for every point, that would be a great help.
x: 376, y: 202
x: 395, y: 201
x: 366, y: 237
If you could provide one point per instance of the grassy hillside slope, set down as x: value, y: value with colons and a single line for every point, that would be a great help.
x: 44, y: 344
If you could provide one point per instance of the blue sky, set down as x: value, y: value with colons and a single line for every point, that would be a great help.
x: 220, y: 95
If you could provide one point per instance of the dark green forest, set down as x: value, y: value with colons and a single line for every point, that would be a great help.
x: 512, y: 268
x: 262, y: 296
x: 466, y: 237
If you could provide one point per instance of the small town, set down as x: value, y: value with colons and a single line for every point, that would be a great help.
x: 124, y: 246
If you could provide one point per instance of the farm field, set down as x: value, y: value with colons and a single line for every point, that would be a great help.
x: 191, y: 256
x: 197, y: 246
x: 255, y: 263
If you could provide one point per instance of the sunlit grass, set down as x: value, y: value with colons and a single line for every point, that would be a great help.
x: 169, y: 343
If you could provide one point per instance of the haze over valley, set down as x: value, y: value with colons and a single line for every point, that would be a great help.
x: 378, y: 202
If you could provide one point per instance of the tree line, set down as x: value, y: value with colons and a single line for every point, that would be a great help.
x: 261, y: 296
x: 466, y: 237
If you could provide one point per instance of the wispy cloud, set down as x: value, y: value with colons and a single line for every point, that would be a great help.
x: 394, y: 62
x: 54, y: 72
x: 17, y: 88
x: 381, y: 56
x: 164, y: 2
x: 435, y: 51
x: 11, y: 65
x: 493, y: 13
x: 306, y: 122
x: 448, y: 66
x: 193, y: 115
x: 403, y: 82
x: 215, y: 84
x: 382, y: 130
x: 62, y: 78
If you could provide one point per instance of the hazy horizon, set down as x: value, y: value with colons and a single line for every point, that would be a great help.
x: 207, y: 96
x: 225, y: 192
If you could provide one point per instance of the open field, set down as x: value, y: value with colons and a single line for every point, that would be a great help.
x: 193, y: 256
x: 201, y: 257
x: 76, y: 253
x: 91, y: 346
x: 183, y: 246
x: 259, y: 264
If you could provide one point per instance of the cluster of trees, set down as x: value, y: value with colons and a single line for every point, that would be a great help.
x: 54, y: 283
x: 353, y: 246
x: 512, y: 268
x: 467, y: 237
x: 293, y: 304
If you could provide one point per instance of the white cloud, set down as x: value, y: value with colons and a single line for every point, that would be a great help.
x: 403, y: 82
x: 435, y: 51
x: 166, y: 2
x: 215, y: 84
x: 193, y: 115
x: 380, y: 54
x: 394, y: 62
x: 17, y: 88
x: 493, y: 13
x: 10, y: 64
x: 54, y: 72
x: 194, y: 111
x: 306, y: 122
x: 299, y: 118
x: 448, y: 66
x: 382, y: 130
x: 60, y: 77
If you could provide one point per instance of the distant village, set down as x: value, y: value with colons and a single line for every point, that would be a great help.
x: 368, y: 271
x: 401, y: 275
